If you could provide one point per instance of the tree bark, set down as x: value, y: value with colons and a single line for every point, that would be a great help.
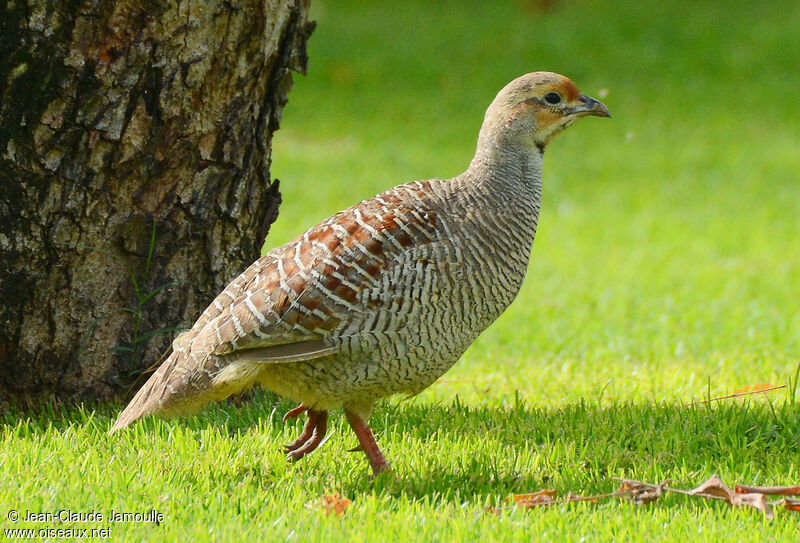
x: 134, y: 176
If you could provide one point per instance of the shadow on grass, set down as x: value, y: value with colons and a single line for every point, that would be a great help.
x: 580, y: 446
x: 457, y: 452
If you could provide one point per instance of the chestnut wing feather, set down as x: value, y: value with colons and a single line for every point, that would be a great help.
x: 285, y: 306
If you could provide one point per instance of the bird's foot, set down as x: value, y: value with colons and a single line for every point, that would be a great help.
x: 294, y: 413
x: 313, y: 433
x: 367, y: 443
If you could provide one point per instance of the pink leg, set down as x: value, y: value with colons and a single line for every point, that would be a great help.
x: 312, y: 435
x: 367, y: 442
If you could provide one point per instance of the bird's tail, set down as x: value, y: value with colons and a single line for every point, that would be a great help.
x: 177, y: 386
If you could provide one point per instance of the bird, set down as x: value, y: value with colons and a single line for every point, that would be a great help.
x: 383, y: 297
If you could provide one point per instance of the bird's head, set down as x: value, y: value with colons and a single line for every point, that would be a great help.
x: 535, y: 107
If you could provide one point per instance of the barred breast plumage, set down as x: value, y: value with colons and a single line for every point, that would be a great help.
x: 385, y: 296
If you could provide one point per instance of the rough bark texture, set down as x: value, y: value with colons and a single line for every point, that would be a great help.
x: 119, y: 119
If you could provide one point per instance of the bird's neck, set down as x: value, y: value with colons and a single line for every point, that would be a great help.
x: 507, y: 169
x: 504, y: 182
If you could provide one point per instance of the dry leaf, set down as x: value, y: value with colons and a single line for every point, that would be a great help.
x: 715, y: 487
x: 335, y: 503
x: 791, y: 505
x: 756, y: 501
x: 771, y: 490
x: 642, y: 494
x: 535, y: 499
x: 548, y: 497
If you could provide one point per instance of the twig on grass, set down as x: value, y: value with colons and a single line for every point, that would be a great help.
x: 737, y: 395
x: 771, y: 490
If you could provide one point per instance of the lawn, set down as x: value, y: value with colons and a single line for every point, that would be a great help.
x: 666, y: 269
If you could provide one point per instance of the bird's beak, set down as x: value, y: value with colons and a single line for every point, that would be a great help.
x: 590, y: 106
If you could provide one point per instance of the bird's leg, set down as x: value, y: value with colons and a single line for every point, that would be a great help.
x: 367, y: 442
x: 312, y: 435
x: 294, y: 413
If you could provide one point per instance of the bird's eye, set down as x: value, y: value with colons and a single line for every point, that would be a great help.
x: 552, y: 98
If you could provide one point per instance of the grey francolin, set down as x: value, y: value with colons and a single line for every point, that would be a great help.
x: 383, y: 297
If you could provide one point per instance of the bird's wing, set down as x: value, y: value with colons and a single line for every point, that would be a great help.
x: 285, y: 306
x: 291, y: 303
x: 289, y: 352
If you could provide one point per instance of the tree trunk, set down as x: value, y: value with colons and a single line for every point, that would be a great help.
x: 134, y: 176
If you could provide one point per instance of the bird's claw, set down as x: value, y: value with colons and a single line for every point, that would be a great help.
x: 313, y: 433
x: 294, y: 413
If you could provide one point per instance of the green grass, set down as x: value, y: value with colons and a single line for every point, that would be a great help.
x: 222, y: 477
x: 666, y: 268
